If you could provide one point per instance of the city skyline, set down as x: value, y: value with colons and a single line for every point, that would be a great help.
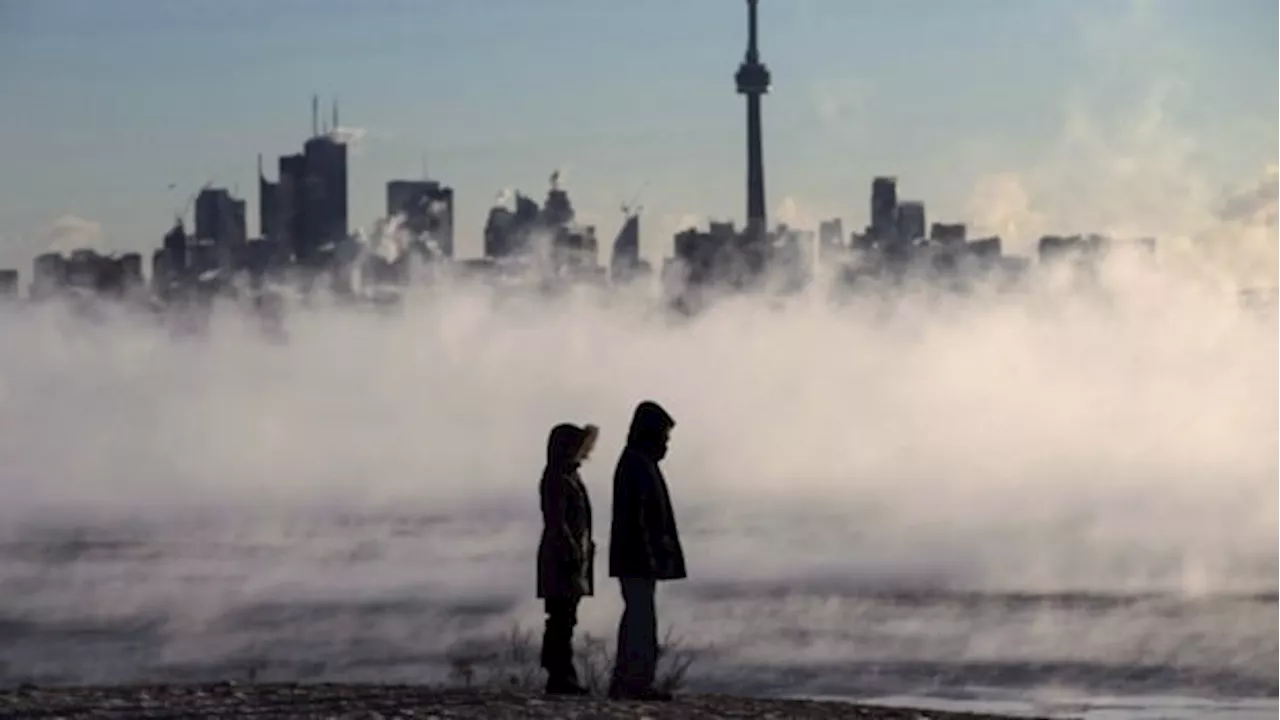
x: 656, y: 116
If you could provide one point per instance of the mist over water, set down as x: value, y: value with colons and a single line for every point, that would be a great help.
x: 1079, y: 482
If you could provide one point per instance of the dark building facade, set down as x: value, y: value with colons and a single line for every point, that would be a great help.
x: 290, y: 221
x: 306, y: 208
x: 564, y: 248
x: 426, y: 207
x: 324, y: 203
x: 220, y: 221
x: 507, y: 230
x: 884, y: 208
x: 911, y: 221
x: 948, y: 233
x: 711, y: 257
x: 625, y: 264
x: 269, y: 226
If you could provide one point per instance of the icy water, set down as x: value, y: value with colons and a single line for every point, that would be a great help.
x: 394, y: 596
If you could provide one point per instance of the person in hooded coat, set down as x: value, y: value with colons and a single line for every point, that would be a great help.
x: 644, y: 548
x: 566, y: 552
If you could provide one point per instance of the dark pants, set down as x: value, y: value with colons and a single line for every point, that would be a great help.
x: 557, y: 639
x: 636, y: 665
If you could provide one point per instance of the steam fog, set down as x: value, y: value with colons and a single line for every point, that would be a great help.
x: 1048, y: 440
x: 1041, y: 438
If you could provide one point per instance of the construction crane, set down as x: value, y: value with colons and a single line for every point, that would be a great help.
x: 631, y: 208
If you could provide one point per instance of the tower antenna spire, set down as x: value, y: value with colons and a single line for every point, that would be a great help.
x: 753, y: 80
x: 335, y: 115
x: 315, y: 115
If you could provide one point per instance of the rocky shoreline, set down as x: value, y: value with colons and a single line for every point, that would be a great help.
x: 328, y: 700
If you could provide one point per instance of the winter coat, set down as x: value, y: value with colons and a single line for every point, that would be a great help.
x: 566, y: 552
x: 643, y: 539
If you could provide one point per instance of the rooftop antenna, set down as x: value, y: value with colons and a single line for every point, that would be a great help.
x: 259, y: 166
x: 315, y: 115
x: 335, y: 115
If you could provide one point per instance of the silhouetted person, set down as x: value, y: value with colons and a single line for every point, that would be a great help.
x: 644, y: 547
x: 566, y: 553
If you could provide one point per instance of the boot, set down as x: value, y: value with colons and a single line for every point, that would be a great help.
x: 561, y: 685
x: 562, y: 679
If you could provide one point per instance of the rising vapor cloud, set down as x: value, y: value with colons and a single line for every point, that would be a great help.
x: 69, y: 232
x: 1256, y: 205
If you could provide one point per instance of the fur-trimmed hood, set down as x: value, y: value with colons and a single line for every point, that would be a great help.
x: 567, y: 443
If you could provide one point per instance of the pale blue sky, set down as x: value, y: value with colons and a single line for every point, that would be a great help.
x: 104, y: 103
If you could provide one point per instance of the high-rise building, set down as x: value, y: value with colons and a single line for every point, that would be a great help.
x: 131, y: 269
x: 306, y: 209
x: 911, y: 221
x: 557, y: 210
x: 624, y: 263
x: 290, y: 220
x: 426, y: 209
x: 325, y: 191
x: 506, y: 231
x: 268, y: 209
x: 175, y: 250
x: 884, y: 208
x: 220, y: 220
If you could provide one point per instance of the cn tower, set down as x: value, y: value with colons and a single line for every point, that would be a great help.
x: 753, y: 81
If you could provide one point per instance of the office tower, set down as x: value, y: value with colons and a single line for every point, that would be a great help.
x: 425, y: 208
x: 268, y: 210
x: 324, y: 193
x: 884, y: 208
x: 624, y: 262
x: 306, y: 209
x: 911, y: 221
x: 220, y: 222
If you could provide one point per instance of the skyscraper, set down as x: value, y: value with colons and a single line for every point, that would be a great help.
x: 307, y: 208
x: 220, y: 221
x: 426, y: 208
x: 324, y: 193
x: 624, y: 262
x: 290, y: 221
x: 911, y: 221
x: 884, y: 207
x: 753, y: 80
x: 268, y: 210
